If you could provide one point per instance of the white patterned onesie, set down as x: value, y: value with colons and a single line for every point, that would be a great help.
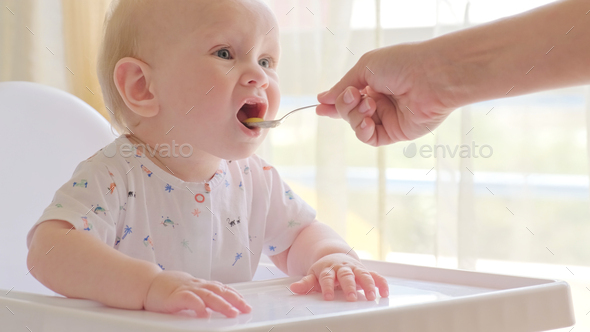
x: 215, y: 230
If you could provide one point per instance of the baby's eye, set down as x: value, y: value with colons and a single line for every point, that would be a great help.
x: 223, y: 53
x: 264, y: 63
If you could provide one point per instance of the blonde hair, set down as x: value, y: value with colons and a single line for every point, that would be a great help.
x: 120, y: 40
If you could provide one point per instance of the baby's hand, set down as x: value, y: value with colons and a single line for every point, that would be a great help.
x: 173, y: 291
x: 344, y: 270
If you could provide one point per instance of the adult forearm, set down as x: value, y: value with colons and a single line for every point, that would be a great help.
x: 314, y: 242
x: 80, y: 266
x: 496, y: 59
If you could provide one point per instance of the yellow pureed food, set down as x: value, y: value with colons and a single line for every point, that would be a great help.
x: 252, y: 120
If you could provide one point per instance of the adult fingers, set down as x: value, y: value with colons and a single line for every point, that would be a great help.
x: 217, y: 303
x: 327, y: 110
x: 383, y: 127
x: 355, y: 77
x: 365, y: 279
x: 349, y: 100
x: 345, y: 103
x: 381, y: 283
x: 360, y: 119
x: 347, y: 283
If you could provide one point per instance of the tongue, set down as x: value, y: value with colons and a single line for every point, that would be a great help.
x: 242, y: 116
x: 247, y: 111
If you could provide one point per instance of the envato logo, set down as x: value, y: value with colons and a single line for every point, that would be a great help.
x: 127, y: 150
x: 439, y: 150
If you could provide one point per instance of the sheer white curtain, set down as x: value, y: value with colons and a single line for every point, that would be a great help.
x: 314, y: 39
x: 53, y: 42
x: 518, y: 206
x: 31, y: 42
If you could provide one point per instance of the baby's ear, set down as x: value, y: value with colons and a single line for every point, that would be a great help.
x: 133, y: 80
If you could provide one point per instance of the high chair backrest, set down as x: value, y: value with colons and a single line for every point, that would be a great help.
x: 44, y: 134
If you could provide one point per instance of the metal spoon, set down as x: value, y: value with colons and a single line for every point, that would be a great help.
x: 275, y: 123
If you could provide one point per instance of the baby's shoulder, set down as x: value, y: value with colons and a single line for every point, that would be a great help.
x: 251, y: 165
x: 108, y: 159
x: 260, y: 172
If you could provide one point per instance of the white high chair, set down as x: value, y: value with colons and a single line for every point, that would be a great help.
x: 45, y: 133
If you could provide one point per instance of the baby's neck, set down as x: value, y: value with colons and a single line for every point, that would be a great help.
x: 198, y: 167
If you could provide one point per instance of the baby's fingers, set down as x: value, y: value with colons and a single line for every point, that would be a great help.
x: 347, y: 282
x: 327, y: 282
x: 303, y: 286
x: 381, y: 283
x: 365, y: 279
x: 187, y: 300
x: 217, y: 303
x: 230, y: 295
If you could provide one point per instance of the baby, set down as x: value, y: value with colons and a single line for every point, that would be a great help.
x: 163, y: 216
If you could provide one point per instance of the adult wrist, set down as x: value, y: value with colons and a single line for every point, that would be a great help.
x: 459, y: 64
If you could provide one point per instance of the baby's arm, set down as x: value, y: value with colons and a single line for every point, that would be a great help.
x: 78, y: 265
x: 326, y: 260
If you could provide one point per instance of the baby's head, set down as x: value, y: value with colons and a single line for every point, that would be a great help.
x: 197, y: 66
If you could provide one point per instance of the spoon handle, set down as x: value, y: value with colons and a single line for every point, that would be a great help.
x: 299, y: 109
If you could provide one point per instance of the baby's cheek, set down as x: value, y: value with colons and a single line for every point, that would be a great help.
x: 274, y: 99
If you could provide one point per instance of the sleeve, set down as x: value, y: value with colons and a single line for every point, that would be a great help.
x: 287, y: 215
x: 90, y: 201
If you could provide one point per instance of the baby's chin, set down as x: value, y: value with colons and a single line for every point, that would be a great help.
x: 237, y: 152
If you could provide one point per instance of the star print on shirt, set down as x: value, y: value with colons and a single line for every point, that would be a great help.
x: 196, y: 212
x: 272, y: 248
x: 168, y: 188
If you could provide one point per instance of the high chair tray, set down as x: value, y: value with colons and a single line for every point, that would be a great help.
x: 422, y: 299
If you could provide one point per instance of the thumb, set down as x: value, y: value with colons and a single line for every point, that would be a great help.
x: 356, y: 77
x: 302, y: 286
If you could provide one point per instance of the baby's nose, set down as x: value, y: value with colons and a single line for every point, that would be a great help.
x: 255, y: 77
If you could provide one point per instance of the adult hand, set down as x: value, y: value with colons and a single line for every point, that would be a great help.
x: 392, y: 94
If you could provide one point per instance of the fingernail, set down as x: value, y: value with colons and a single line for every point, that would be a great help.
x: 386, y: 293
x: 348, y: 97
x: 364, y: 124
x: 352, y: 296
x: 371, y: 295
x: 365, y: 107
x: 329, y: 296
x: 320, y: 95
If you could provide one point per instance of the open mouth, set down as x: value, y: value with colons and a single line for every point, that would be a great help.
x: 252, y: 109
